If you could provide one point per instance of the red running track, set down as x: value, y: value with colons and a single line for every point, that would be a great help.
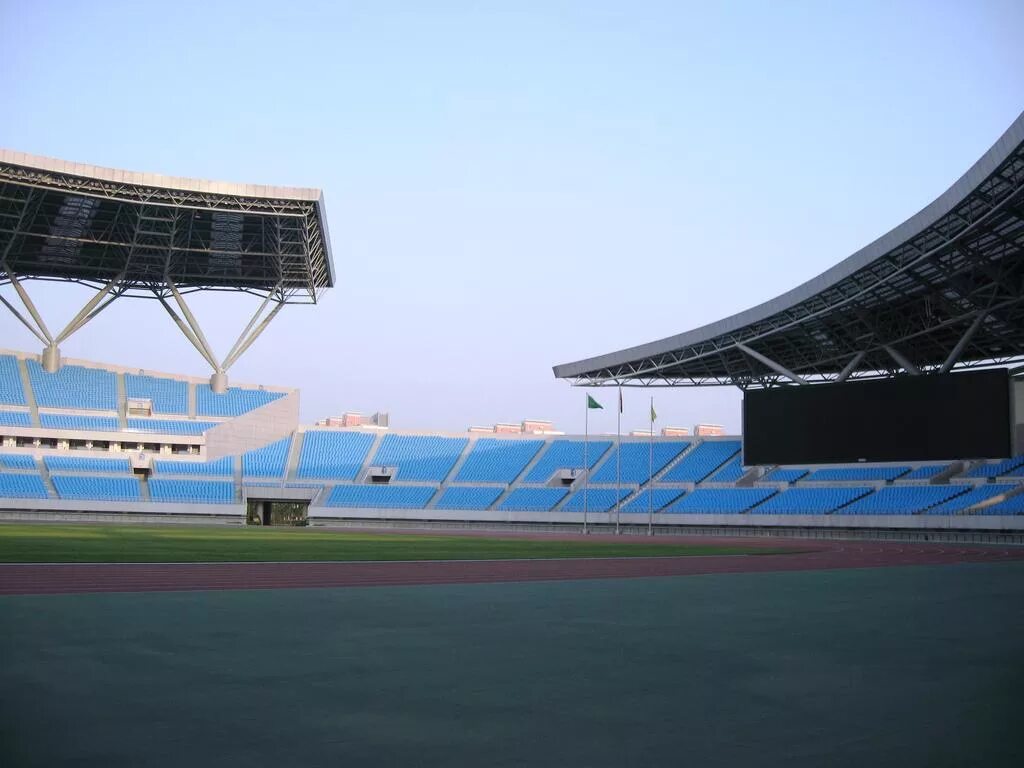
x: 41, y: 579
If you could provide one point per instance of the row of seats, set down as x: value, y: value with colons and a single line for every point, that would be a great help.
x: 192, y: 491
x: 567, y: 454
x: 856, y: 474
x: 268, y: 461
x: 15, y: 419
x: 1014, y: 466
x: 234, y: 402
x: 702, y: 461
x: 73, y: 421
x: 636, y: 463
x: 117, y: 464
x: 333, y: 455
x: 381, y: 496
x: 492, y: 460
x: 73, y: 386
x: 223, y: 467
x: 11, y: 390
x: 165, y: 395
x: 419, y: 458
x: 170, y: 426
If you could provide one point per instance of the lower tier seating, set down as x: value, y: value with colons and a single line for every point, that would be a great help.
x: 381, y: 496
x: 469, y: 497
x: 90, y: 488
x: 720, y: 500
x: 192, y: 491
x: 533, y: 499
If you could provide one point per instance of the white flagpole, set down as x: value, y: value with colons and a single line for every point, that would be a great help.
x: 618, y: 461
x: 650, y: 476
x: 586, y: 437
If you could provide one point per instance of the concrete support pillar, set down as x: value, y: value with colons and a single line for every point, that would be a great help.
x: 219, y: 382
x: 51, y: 358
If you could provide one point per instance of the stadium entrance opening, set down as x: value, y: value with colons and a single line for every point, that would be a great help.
x: 277, y: 512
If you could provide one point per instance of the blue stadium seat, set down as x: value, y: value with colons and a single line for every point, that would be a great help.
x: 730, y: 473
x: 927, y: 472
x: 419, y: 457
x: 381, y: 496
x: 566, y: 454
x: 268, y: 461
x: 998, y: 468
x: 170, y: 426
x: 222, y: 467
x: 17, y: 461
x: 333, y: 455
x: 1012, y: 506
x: 720, y: 500
x: 15, y: 419
x: 234, y: 402
x: 810, y: 501
x: 86, y: 464
x: 636, y: 463
x: 784, y: 475
x: 77, y: 422
x: 492, y: 460
x: 88, y: 488
x: 598, y: 500
x: 856, y: 474
x: 902, y: 499
x: 192, y: 491
x: 469, y: 497
x: 702, y: 461
x: 73, y: 386
x: 975, y: 495
x: 11, y: 390
x: 22, y: 486
x: 643, y: 502
x: 533, y: 499
x: 166, y: 395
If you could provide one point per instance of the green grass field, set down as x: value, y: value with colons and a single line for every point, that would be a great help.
x: 178, y: 544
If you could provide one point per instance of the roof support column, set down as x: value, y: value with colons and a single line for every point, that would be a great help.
x: 782, y: 371
x: 850, y: 367
x: 902, y: 361
x: 50, y: 358
x: 958, y: 350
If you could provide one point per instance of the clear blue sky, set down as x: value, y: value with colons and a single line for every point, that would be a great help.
x: 513, y: 185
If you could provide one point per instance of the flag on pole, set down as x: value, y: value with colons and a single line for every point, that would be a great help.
x: 654, y: 416
x: 620, y: 399
x: 592, y: 403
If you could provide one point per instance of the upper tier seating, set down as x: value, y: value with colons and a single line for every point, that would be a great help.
x: 566, y: 454
x: 170, y: 426
x: 1012, y: 506
x: 597, y: 499
x: 22, y: 486
x: 234, y: 402
x: 492, y: 460
x: 11, y: 390
x: 810, y: 501
x: 268, y: 461
x: 998, y: 468
x: 469, y: 497
x: 702, y: 461
x: 15, y: 419
x: 784, y: 475
x: 927, y: 472
x: 87, y: 464
x: 902, y: 499
x: 166, y: 395
x: 720, y: 500
x: 533, y: 499
x: 17, y: 461
x: 89, y: 488
x: 222, y: 467
x: 419, y: 457
x: 974, y: 496
x: 334, y: 455
x: 855, y: 474
x: 192, y: 491
x: 381, y: 496
x: 74, y: 421
x: 636, y: 461
x: 730, y: 473
x: 73, y: 386
x: 643, y: 502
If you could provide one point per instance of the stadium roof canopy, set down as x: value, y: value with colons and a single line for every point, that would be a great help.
x: 943, y: 290
x: 152, y: 236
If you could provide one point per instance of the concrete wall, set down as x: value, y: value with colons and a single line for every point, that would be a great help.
x: 273, y: 421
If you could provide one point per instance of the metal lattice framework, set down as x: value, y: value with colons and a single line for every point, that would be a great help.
x: 143, y: 235
x: 943, y: 290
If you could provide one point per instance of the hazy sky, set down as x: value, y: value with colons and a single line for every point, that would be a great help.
x: 513, y: 185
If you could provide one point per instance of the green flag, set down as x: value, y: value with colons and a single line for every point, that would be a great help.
x: 592, y: 403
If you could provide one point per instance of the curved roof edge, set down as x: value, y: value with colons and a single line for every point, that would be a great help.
x: 997, y: 154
